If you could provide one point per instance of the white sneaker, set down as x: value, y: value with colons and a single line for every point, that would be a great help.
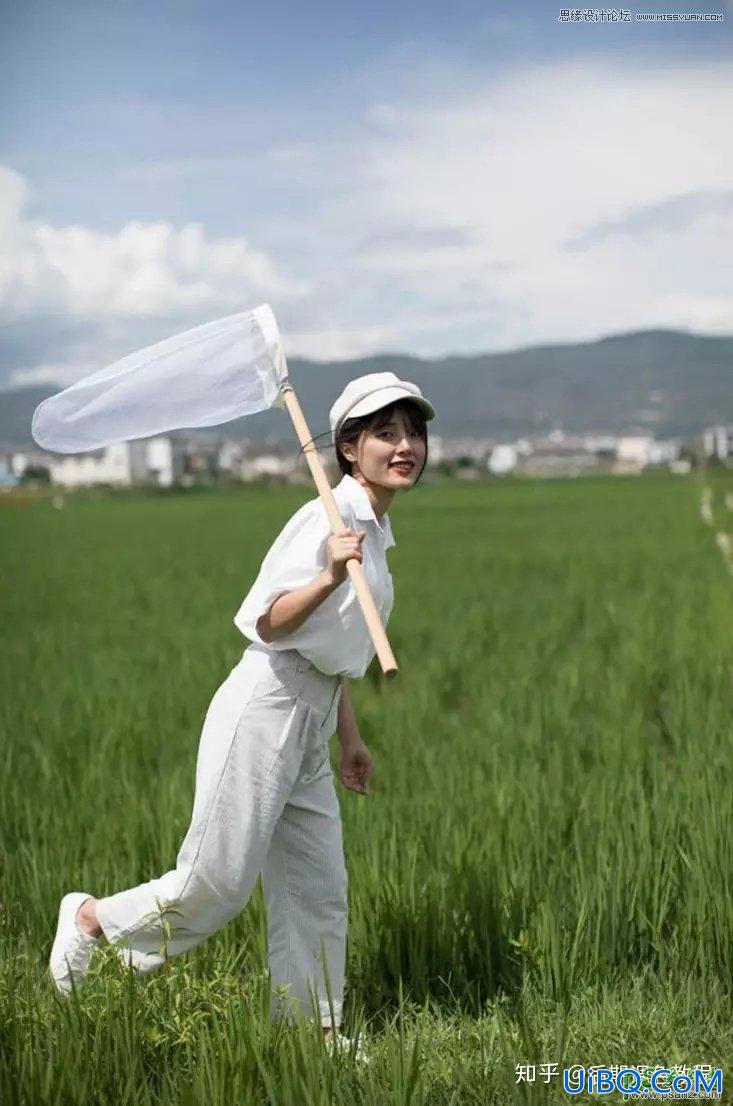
x: 336, y: 1042
x: 72, y: 948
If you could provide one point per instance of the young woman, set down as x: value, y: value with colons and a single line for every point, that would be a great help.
x: 265, y: 799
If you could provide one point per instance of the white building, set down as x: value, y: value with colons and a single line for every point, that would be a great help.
x: 21, y: 459
x: 503, y: 459
x: 8, y: 478
x: 110, y: 465
x: 231, y: 455
x: 718, y: 442
x: 435, y: 448
x: 635, y: 449
x: 642, y: 450
x: 663, y: 452
x: 157, y: 461
x: 267, y: 464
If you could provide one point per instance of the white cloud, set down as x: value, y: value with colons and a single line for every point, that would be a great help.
x: 110, y: 283
x: 674, y: 214
x: 707, y: 314
x: 337, y: 343
x: 144, y: 269
x: 545, y: 156
x: 52, y: 372
x: 435, y: 226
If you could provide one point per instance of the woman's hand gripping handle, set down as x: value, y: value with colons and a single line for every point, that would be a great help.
x: 341, y: 547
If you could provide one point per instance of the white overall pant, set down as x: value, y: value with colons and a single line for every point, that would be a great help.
x: 265, y: 802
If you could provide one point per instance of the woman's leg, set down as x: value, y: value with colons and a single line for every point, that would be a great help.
x: 305, y: 884
x: 241, y: 789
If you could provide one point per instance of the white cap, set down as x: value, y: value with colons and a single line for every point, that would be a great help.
x: 368, y: 393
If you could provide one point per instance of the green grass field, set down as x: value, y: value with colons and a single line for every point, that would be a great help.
x: 543, y: 874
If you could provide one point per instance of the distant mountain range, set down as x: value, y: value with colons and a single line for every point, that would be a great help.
x: 669, y: 382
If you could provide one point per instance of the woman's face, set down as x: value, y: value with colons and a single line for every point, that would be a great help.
x: 391, y: 455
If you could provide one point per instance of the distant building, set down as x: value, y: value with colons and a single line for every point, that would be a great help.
x: 8, y: 478
x: 635, y: 452
x: 558, y: 461
x: 626, y: 467
x: 267, y: 464
x: 503, y: 459
x: 231, y: 455
x: 557, y: 439
x: 603, y: 445
x: 22, y: 459
x: 288, y: 467
x: 471, y: 448
x: 155, y: 461
x: 435, y: 448
x: 718, y: 442
x: 663, y: 452
x: 109, y: 465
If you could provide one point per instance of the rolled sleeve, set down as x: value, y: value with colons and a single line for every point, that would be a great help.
x: 296, y: 556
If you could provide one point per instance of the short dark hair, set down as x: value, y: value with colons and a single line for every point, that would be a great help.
x: 350, y: 429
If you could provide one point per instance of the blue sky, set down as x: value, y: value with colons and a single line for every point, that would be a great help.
x: 422, y: 177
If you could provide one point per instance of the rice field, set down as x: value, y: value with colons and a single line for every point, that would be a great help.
x: 543, y: 873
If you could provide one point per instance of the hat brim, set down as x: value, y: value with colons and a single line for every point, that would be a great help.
x: 383, y: 398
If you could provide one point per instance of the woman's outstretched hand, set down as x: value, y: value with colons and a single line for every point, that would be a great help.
x: 355, y: 767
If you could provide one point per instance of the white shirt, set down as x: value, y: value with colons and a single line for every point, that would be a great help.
x: 334, y: 637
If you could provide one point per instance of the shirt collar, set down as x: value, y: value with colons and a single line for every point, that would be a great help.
x: 355, y: 494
